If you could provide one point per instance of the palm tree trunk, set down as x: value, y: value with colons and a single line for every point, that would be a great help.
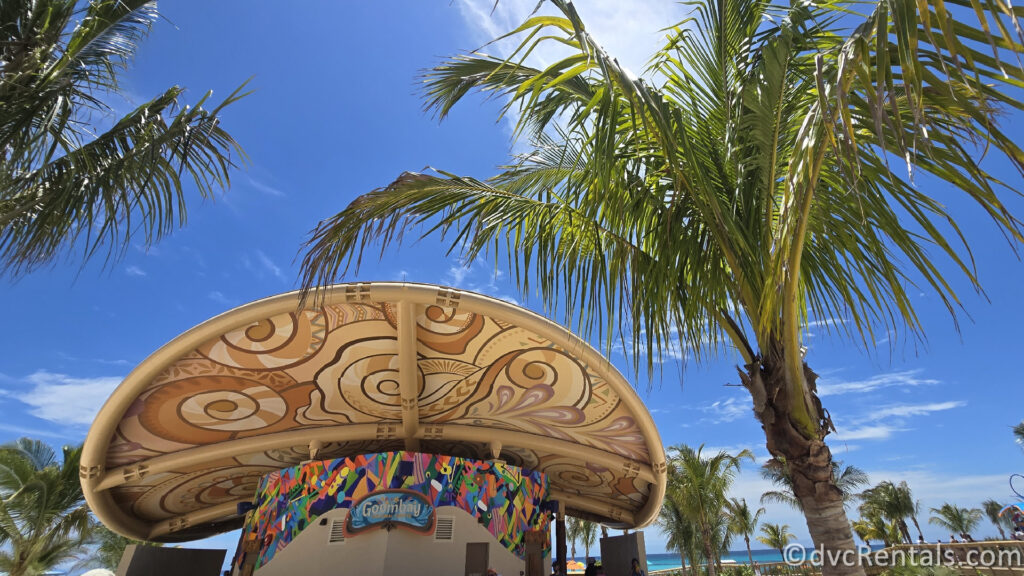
x: 809, y: 459
x: 905, y: 530
x: 709, y: 559
x: 750, y: 554
x: 920, y: 535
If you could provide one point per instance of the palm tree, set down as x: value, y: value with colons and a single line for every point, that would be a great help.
x: 573, y: 526
x: 744, y: 522
x: 698, y: 484
x: 63, y: 179
x: 915, y: 514
x: 110, y: 546
x: 873, y: 527
x: 683, y: 534
x: 743, y: 187
x: 776, y: 536
x: 992, y: 509
x: 847, y: 480
x: 588, y: 534
x: 43, y: 517
x: 1018, y: 432
x: 892, y: 502
x: 955, y: 519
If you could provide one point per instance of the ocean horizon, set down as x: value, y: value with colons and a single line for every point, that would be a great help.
x: 669, y: 561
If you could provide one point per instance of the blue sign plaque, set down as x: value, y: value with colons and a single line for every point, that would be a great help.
x: 391, y: 509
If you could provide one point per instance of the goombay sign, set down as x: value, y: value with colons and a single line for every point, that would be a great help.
x: 394, y: 508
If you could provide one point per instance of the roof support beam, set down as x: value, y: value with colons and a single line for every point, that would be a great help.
x: 408, y: 374
x: 619, y: 514
x: 235, y: 448
x: 218, y: 512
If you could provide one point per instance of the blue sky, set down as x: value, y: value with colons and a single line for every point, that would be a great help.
x: 335, y: 114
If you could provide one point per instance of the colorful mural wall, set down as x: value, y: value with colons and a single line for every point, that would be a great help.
x: 505, y: 499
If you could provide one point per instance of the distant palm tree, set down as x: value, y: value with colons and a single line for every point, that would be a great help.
x: 915, y: 514
x: 699, y: 484
x: 848, y: 480
x: 874, y: 527
x: 742, y: 521
x: 992, y: 509
x: 588, y: 535
x: 956, y: 519
x: 64, y: 180
x: 862, y: 528
x: 1018, y: 431
x: 110, y: 547
x: 893, y: 502
x: 776, y: 536
x: 573, y: 527
x: 44, y: 521
x: 683, y: 534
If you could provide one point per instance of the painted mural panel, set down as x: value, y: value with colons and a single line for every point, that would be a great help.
x: 505, y: 499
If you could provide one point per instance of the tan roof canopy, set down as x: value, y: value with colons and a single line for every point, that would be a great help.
x: 371, y: 367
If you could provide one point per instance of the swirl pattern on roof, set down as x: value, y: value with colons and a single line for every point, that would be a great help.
x: 191, y: 431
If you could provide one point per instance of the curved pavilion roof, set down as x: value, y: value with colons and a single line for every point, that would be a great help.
x: 370, y: 367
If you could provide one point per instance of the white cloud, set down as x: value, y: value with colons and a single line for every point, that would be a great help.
x: 729, y: 410
x: 218, y: 297
x: 629, y: 30
x: 457, y: 275
x: 826, y: 322
x: 269, y: 266
x: 67, y: 400
x: 265, y: 188
x: 134, y: 271
x: 902, y: 379
x: 905, y: 410
x: 872, y: 432
x: 882, y: 422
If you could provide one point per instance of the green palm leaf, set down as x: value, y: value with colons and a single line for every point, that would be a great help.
x: 63, y: 185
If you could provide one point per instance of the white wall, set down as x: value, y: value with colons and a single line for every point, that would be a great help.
x: 378, y: 551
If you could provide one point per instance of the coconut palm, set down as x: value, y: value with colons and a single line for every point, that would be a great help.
x: 44, y: 521
x: 955, y: 519
x: 588, y: 535
x: 874, y: 527
x: 992, y: 509
x: 110, y: 547
x: 683, y: 534
x: 743, y: 187
x: 698, y: 484
x: 776, y: 536
x: 573, y: 526
x: 914, y: 515
x: 742, y: 521
x: 1018, y: 432
x: 66, y: 181
x: 848, y: 481
x: 892, y: 502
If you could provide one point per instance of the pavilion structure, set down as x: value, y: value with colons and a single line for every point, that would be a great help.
x: 375, y: 372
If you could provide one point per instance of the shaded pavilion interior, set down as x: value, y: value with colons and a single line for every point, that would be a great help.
x: 366, y: 368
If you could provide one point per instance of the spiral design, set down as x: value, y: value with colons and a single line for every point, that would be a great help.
x: 227, y: 405
x: 272, y: 343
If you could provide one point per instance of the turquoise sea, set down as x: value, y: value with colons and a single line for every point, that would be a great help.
x: 669, y: 561
x: 666, y: 561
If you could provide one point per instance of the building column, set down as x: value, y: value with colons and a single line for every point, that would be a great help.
x: 560, y: 548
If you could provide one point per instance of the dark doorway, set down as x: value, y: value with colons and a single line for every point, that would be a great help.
x: 476, y: 558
